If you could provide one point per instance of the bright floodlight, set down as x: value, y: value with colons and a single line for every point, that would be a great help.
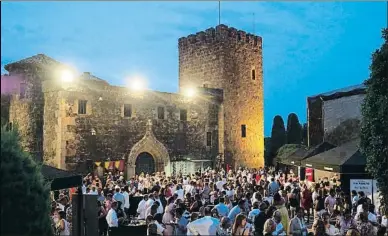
x: 67, y: 76
x: 190, y: 92
x: 137, y: 84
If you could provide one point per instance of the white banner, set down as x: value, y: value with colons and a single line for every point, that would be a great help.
x: 369, y: 187
x: 364, y: 185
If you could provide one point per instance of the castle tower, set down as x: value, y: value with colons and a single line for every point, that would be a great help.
x: 229, y: 59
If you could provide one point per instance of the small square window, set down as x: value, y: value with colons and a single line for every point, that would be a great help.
x: 243, y: 131
x: 253, y: 74
x: 127, y: 110
x: 183, y: 115
x: 160, y: 113
x: 82, y: 106
x: 209, y: 139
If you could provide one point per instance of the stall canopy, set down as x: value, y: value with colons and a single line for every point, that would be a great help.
x: 295, y: 157
x: 342, y: 159
x: 60, y: 179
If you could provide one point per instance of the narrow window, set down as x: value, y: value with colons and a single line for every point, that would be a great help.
x: 243, y: 131
x: 209, y: 139
x: 82, y: 106
x: 183, y: 115
x: 127, y: 110
x: 253, y: 75
x: 9, y: 126
x: 160, y: 113
x: 22, y: 91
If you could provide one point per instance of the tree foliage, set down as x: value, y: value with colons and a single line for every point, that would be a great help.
x: 346, y: 131
x: 293, y: 129
x: 278, y: 136
x: 267, y: 151
x: 25, y: 204
x: 374, y: 129
x: 304, y: 133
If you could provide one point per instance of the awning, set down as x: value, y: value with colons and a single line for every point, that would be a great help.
x: 338, y: 159
x: 60, y: 179
x: 295, y: 157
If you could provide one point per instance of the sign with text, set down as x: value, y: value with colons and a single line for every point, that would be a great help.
x: 365, y: 185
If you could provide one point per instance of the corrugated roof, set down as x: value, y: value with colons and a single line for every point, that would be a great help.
x: 347, y: 153
x: 341, y: 92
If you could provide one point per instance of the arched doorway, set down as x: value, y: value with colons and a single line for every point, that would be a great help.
x: 145, y: 163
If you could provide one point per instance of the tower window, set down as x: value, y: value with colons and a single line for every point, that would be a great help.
x: 82, y: 106
x: 209, y: 139
x: 243, y: 131
x: 183, y: 115
x: 127, y: 110
x: 22, y: 93
x: 253, y: 74
x: 160, y: 113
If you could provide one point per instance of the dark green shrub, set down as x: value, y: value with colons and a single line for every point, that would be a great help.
x: 25, y: 197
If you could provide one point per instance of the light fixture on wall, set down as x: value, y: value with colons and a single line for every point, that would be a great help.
x: 93, y: 131
x: 100, y: 99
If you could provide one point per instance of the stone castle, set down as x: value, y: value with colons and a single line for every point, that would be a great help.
x: 65, y: 124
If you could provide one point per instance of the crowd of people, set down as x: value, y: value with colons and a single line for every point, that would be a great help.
x: 242, y: 202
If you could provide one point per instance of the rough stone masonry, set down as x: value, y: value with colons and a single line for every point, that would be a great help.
x: 65, y: 124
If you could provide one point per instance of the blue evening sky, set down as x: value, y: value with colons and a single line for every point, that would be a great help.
x: 309, y: 47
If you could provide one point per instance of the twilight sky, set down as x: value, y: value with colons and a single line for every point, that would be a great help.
x: 309, y: 47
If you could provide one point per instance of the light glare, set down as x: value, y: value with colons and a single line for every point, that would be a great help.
x: 67, y: 76
x: 190, y: 92
x: 137, y: 84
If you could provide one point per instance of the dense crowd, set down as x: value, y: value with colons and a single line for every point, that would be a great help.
x: 243, y: 202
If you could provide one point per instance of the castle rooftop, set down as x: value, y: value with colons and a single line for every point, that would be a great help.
x: 221, y: 32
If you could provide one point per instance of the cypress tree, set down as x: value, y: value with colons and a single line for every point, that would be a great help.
x: 25, y: 197
x: 304, y: 134
x: 294, y: 129
x: 278, y: 136
x: 374, y: 125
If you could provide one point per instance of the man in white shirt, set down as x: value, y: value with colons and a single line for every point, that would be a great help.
x: 221, y: 183
x: 179, y: 191
x: 160, y: 208
x: 126, y: 197
x: 150, y: 201
x: 141, y: 208
x: 206, y: 225
x: 111, y: 217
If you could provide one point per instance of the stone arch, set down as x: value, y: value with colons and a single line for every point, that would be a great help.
x: 149, y: 143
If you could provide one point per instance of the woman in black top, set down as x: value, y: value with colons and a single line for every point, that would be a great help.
x: 197, y: 204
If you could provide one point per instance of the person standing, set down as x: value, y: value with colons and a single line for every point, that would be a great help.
x: 111, y: 217
x: 297, y: 225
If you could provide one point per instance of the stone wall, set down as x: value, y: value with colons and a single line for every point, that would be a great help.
x: 339, y: 110
x: 26, y: 110
x: 103, y: 132
x: 5, y: 104
x: 225, y: 58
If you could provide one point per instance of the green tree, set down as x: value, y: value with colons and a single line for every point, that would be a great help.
x: 294, y: 129
x: 267, y: 151
x: 304, y: 134
x: 25, y: 204
x: 278, y: 136
x: 374, y: 125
